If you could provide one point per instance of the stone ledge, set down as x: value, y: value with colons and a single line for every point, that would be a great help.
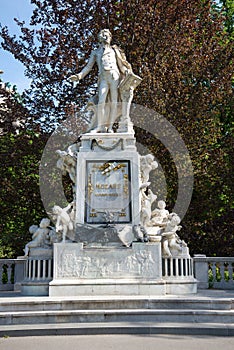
x: 217, y: 329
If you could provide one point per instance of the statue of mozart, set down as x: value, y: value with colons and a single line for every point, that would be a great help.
x: 116, y: 83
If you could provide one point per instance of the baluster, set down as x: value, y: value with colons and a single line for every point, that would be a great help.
x: 49, y: 268
x: 191, y: 262
x: 26, y: 269
x: 230, y: 271
x: 33, y: 269
x: 221, y: 270
x: 38, y: 269
x: 9, y: 267
x: 29, y: 269
x: 171, y: 267
x: 44, y: 270
x: 213, y: 268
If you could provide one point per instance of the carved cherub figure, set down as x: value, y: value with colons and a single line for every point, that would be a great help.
x: 147, y: 164
x: 64, y: 222
x: 39, y: 235
x: 170, y: 239
x: 159, y: 216
x: 146, y: 203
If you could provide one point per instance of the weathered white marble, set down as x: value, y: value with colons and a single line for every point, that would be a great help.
x: 64, y: 222
x: 114, y: 240
x: 84, y: 270
x: 172, y: 245
x: 146, y: 206
x: 159, y: 216
x: 41, y: 236
x: 108, y: 180
x: 116, y: 84
x: 147, y: 164
x: 72, y: 260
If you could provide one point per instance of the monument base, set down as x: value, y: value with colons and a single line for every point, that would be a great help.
x: 35, y: 288
x: 80, y: 271
x: 38, y: 272
x: 175, y: 287
x: 107, y: 287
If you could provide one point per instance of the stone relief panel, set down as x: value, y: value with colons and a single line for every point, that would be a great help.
x: 86, y: 263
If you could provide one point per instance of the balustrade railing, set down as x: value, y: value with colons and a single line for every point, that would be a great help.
x: 7, y: 274
x: 12, y: 273
x: 177, y: 267
x: 39, y: 270
x: 212, y: 272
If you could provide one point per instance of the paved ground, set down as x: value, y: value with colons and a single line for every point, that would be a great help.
x: 118, y: 342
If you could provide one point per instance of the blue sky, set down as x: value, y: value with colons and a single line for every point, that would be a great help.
x: 13, y: 69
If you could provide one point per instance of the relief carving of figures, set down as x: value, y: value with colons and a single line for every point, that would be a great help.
x: 116, y: 82
x: 84, y: 266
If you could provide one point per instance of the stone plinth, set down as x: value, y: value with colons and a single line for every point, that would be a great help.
x: 38, y: 274
x: 107, y: 270
x: 108, y: 179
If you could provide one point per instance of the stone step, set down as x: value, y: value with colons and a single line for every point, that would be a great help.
x: 117, y: 315
x: 121, y: 302
x: 147, y: 328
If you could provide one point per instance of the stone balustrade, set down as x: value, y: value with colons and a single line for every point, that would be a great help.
x: 12, y: 273
x: 7, y: 267
x: 212, y: 272
x: 39, y: 269
x: 177, y: 267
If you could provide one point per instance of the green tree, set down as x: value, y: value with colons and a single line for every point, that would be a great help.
x: 21, y: 204
x: 21, y: 151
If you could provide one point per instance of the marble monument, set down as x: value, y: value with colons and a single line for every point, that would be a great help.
x: 114, y: 238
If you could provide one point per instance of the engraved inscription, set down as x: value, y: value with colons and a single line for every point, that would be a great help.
x: 108, y: 189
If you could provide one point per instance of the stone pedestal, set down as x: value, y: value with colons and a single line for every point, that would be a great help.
x: 39, y: 272
x: 104, y: 255
x: 80, y: 271
x: 108, y: 179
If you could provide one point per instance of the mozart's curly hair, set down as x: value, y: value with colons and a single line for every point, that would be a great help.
x: 104, y: 30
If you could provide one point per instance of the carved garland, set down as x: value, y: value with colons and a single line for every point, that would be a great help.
x: 106, y: 148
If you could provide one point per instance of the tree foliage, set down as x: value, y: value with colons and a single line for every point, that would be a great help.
x: 21, y: 204
x: 21, y: 151
x: 183, y: 50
